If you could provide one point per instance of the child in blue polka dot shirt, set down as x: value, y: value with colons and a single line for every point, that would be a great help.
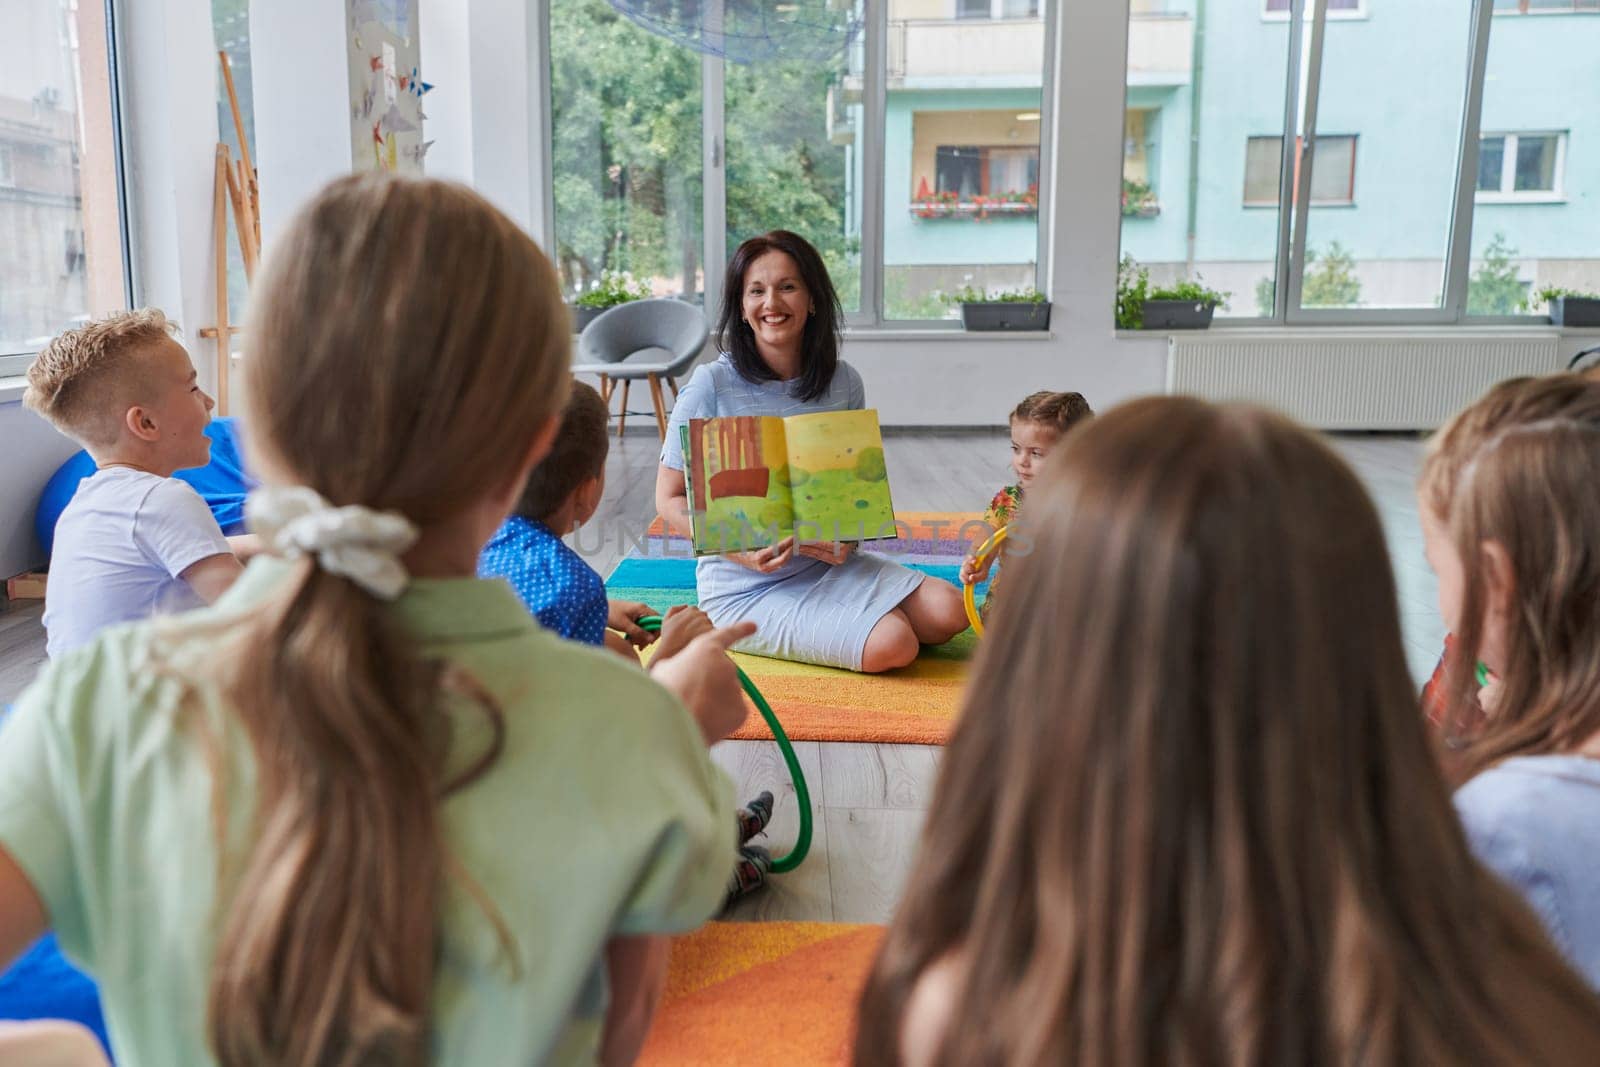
x: 568, y: 596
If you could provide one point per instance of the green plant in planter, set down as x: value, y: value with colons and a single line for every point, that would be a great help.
x: 1193, y: 292
x: 614, y: 287
x: 1551, y: 293
x: 1134, y: 290
x: 968, y: 295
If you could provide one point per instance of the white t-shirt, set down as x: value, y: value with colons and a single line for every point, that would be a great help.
x: 119, y: 548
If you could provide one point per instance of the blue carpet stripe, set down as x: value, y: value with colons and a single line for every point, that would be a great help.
x: 678, y: 574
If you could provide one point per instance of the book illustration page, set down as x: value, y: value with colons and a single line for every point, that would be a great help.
x: 837, y: 475
x: 741, y: 493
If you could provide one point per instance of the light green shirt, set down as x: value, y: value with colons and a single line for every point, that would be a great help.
x: 603, y: 816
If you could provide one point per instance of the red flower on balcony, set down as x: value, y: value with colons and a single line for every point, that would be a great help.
x: 947, y: 204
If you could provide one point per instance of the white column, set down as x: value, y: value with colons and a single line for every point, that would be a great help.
x: 505, y: 39
x: 299, y: 57
x: 447, y: 64
x: 169, y: 80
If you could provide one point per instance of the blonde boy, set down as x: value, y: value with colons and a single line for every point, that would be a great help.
x: 134, y: 541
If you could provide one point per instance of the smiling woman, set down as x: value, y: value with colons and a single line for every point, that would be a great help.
x: 815, y: 602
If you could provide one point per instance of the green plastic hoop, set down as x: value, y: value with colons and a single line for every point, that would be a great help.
x: 802, y: 842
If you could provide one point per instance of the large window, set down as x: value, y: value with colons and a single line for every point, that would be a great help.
x: 60, y: 221
x: 962, y: 160
x: 1535, y: 215
x: 1454, y: 187
x: 626, y: 116
x: 902, y: 139
x: 793, y: 139
x: 1203, y: 150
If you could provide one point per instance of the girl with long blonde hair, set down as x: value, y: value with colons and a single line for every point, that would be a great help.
x: 363, y: 811
x: 1189, y: 814
x: 1510, y: 508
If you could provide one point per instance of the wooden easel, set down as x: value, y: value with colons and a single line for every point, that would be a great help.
x: 236, y: 181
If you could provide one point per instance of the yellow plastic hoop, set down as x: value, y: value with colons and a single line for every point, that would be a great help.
x: 983, y: 555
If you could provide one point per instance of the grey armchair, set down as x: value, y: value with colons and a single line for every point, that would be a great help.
x: 656, y: 340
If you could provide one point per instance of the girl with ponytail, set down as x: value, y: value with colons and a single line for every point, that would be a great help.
x: 1190, y: 814
x: 363, y: 811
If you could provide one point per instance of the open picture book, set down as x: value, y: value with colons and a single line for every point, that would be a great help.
x: 755, y: 479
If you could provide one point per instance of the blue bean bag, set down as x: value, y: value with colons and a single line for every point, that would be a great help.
x: 222, y: 484
x: 43, y: 985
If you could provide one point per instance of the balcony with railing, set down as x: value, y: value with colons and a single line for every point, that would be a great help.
x: 1009, y: 53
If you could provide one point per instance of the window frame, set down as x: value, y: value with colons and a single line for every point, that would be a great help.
x: 1307, y: 23
x: 1453, y: 298
x: 871, y: 140
x: 997, y: 11
x: 15, y: 363
x: 1337, y: 14
x: 1507, y: 193
x: 1299, y: 155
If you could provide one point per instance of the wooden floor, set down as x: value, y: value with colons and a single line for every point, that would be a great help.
x: 867, y: 799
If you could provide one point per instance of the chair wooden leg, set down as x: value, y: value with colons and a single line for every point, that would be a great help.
x: 659, y: 401
x: 674, y: 383
x: 622, y: 417
x: 605, y: 387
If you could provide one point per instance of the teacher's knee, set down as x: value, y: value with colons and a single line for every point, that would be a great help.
x: 936, y: 611
x: 891, y: 644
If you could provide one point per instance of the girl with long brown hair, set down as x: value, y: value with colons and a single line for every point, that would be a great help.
x: 1510, y: 508
x: 363, y: 811
x: 1189, y: 814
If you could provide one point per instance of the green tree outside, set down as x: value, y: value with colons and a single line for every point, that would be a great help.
x: 627, y: 160
x: 1494, y: 288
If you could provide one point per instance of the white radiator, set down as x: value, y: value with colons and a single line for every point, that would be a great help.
x: 1388, y: 380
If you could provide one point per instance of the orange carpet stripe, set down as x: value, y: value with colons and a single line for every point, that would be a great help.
x: 719, y: 951
x: 803, y: 722
x: 796, y: 1008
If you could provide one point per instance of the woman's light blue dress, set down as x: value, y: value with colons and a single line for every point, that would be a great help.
x: 807, y: 610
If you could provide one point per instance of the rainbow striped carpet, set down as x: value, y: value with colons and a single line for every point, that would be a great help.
x: 916, y: 705
x: 746, y: 993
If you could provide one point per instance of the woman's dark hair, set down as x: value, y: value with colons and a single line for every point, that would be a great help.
x: 819, y: 345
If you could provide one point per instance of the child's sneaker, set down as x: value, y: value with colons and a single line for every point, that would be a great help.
x: 754, y: 816
x: 749, y: 874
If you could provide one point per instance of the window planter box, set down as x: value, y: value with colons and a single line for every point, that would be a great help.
x: 583, y: 316
x: 966, y: 209
x: 993, y: 316
x: 1575, y: 311
x: 1177, y: 314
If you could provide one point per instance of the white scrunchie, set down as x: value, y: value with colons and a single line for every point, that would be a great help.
x: 354, y: 542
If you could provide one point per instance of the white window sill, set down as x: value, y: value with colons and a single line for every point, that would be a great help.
x: 1259, y: 328
x: 940, y: 335
x: 1521, y: 198
x: 11, y: 389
